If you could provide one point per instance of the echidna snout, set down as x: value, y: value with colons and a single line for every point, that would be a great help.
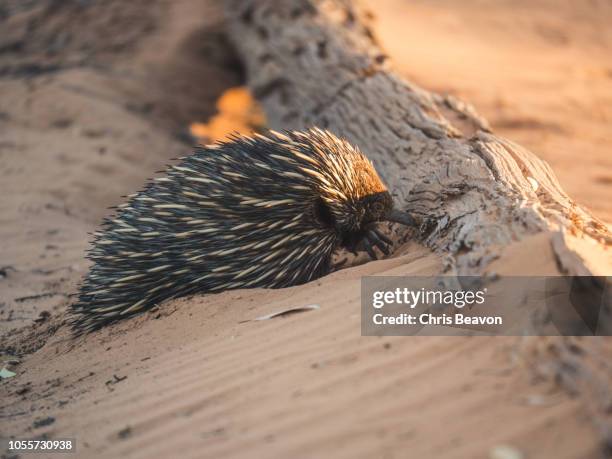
x: 261, y: 211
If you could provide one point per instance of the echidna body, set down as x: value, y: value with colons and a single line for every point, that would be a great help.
x: 262, y: 211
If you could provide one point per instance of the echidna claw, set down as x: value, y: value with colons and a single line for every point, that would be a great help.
x: 384, y: 238
x: 374, y: 237
x: 369, y: 249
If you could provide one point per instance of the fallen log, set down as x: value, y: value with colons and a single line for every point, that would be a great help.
x: 318, y: 63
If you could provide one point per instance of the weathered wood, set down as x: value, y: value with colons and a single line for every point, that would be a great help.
x: 318, y: 63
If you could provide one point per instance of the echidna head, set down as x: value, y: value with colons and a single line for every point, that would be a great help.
x: 377, y: 207
x: 374, y: 208
x: 355, y: 221
x: 352, y: 219
x: 349, y: 196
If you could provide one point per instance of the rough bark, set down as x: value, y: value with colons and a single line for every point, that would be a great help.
x: 318, y: 63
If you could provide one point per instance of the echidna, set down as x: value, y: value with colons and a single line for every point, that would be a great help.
x: 261, y: 211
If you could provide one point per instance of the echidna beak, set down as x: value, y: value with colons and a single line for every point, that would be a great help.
x: 397, y: 216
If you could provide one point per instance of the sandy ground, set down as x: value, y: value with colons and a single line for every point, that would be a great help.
x: 84, y: 121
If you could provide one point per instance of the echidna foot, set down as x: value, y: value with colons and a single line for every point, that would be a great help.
x: 374, y: 238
